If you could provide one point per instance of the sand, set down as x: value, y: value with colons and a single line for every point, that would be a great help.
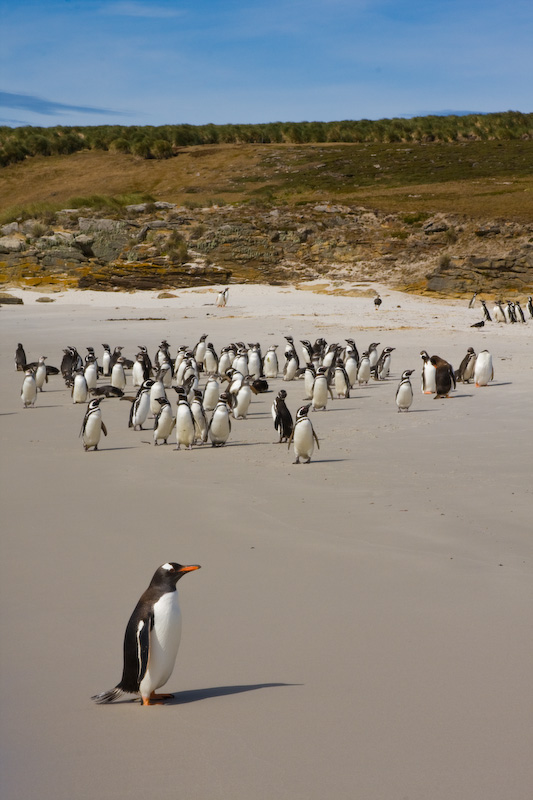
x: 360, y: 627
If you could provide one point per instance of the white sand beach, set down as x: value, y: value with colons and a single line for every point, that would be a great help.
x: 360, y: 627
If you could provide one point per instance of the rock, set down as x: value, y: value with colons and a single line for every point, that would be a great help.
x: 166, y: 296
x: 161, y: 204
x: 11, y: 244
x: 86, y: 224
x: 11, y: 227
x: 85, y: 242
x: 435, y: 226
x: 488, y: 230
x: 45, y: 300
x: 10, y: 300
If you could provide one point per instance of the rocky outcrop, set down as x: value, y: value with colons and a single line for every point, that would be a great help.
x: 161, y: 246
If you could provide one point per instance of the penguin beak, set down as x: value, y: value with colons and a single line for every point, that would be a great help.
x: 189, y: 569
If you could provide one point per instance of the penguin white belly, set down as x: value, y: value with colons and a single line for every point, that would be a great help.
x: 91, y: 375
x: 141, y: 412
x: 309, y: 379
x: 29, y: 391
x: 164, y: 643
x: 40, y: 376
x: 351, y: 370
x: 93, y: 430
x: 320, y: 394
x: 271, y: 366
x: 211, y: 395
x: 184, y: 427
x: 223, y: 365
x: 304, y: 442
x: 118, y: 377
x: 165, y: 425
x: 363, y: 374
x: 340, y: 384
x: 429, y: 379
x: 404, y: 398
x: 290, y: 372
x: 220, y: 426
x: 244, y: 397
x: 483, y: 372
x: 157, y: 390
x: 106, y: 363
x: 79, y: 390
x: 137, y: 374
x: 254, y: 365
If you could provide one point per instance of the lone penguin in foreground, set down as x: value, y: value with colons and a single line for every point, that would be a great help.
x: 484, y: 370
x: 29, y: 389
x: 404, y: 392
x: 304, y: 436
x: 92, y: 426
x: 152, y: 639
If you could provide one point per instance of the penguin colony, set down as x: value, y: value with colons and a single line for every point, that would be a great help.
x: 508, y: 312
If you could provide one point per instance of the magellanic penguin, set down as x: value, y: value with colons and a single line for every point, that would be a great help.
x: 404, y: 392
x: 243, y: 398
x: 185, y: 425
x: 444, y: 377
x: 20, y: 358
x: 483, y: 371
x: 530, y: 306
x: 140, y: 408
x: 106, y: 360
x: 303, y: 435
x: 92, y: 426
x: 486, y: 314
x: 428, y: 385
x: 321, y: 390
x: 466, y: 368
x: 220, y: 425
x: 79, y: 389
x: 363, y: 372
x: 292, y: 365
x: 282, y: 417
x: 222, y: 298
x: 377, y: 302
x: 342, y: 381
x: 118, y: 376
x: 270, y: 362
x: 91, y: 373
x: 164, y: 421
x: 28, y: 393
x: 200, y: 418
x: 152, y: 639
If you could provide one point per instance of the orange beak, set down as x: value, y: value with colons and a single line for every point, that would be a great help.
x: 190, y: 569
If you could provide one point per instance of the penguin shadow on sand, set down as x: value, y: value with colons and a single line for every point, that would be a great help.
x: 195, y: 695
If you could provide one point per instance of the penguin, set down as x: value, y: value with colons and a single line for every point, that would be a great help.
x: 320, y: 391
x: 307, y: 350
x: 289, y: 346
x: 520, y: 315
x: 200, y: 418
x: 140, y: 408
x: 222, y: 298
x: 28, y: 393
x: 292, y: 365
x: 93, y: 425
x: 106, y: 361
x: 282, y: 417
x: 157, y: 391
x: 181, y: 354
x: 382, y: 370
x: 363, y: 372
x: 20, y: 358
x: 118, y: 376
x: 242, y: 399
x: 211, y: 393
x: 138, y: 375
x: 163, y: 354
x: 255, y: 363
x: 352, y: 352
x: 210, y: 360
x: 117, y: 352
x: 530, y: 306
x: 40, y: 374
x: 330, y: 356
x: 199, y: 349
x: 466, y: 368
x: 79, y: 390
x: 498, y: 313
x: 220, y: 425
x: 472, y: 301
x: 373, y: 355
x: 225, y: 361
x: 486, y: 314
x: 309, y: 380
x: 270, y: 362
x: 152, y: 639
x: 484, y: 370
x: 479, y: 324
x: 444, y: 377
x: 166, y: 370
x: 164, y: 421
x: 404, y: 392
x: 511, y: 315
x: 428, y: 385
x: 91, y: 373
x: 303, y: 435
x: 342, y: 381
x: 107, y: 391
x: 377, y: 302
x: 185, y: 425
x: 70, y: 363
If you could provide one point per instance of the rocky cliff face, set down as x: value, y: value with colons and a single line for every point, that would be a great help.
x: 161, y: 246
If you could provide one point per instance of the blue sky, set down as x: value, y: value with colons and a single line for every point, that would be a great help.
x: 136, y: 62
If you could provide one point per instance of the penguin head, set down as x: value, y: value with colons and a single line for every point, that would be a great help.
x: 406, y: 373
x: 169, y: 574
x: 303, y: 411
x: 94, y: 403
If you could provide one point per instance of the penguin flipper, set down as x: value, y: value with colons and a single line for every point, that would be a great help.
x: 104, y: 429
x: 316, y: 440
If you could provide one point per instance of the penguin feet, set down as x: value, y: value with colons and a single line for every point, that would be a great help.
x: 297, y: 461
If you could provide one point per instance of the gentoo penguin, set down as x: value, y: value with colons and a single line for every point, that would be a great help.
x: 373, y: 355
x: 152, y: 639
x: 185, y: 425
x: 220, y: 425
x: 118, y: 376
x: 484, y: 371
x: 140, y: 408
x: 164, y: 421
x: 242, y: 399
x: 106, y: 361
x: 92, y: 425
x: 341, y: 380
x: 282, y: 417
x: 79, y: 390
x: 270, y: 362
x: 404, y: 392
x: 466, y: 368
x: 321, y: 389
x: 444, y: 377
x: 40, y: 374
x: 377, y: 302
x: 486, y: 315
x: 29, y: 389
x: 200, y: 418
x: 530, y: 306
x: 363, y: 372
x: 20, y: 358
x: 222, y: 298
x: 303, y: 435
x: 292, y: 365
x: 428, y: 374
x: 473, y: 300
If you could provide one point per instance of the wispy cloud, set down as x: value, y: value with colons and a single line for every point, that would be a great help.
x: 130, y: 8
x: 40, y: 105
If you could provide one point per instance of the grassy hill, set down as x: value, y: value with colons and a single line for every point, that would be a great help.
x: 482, y: 179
